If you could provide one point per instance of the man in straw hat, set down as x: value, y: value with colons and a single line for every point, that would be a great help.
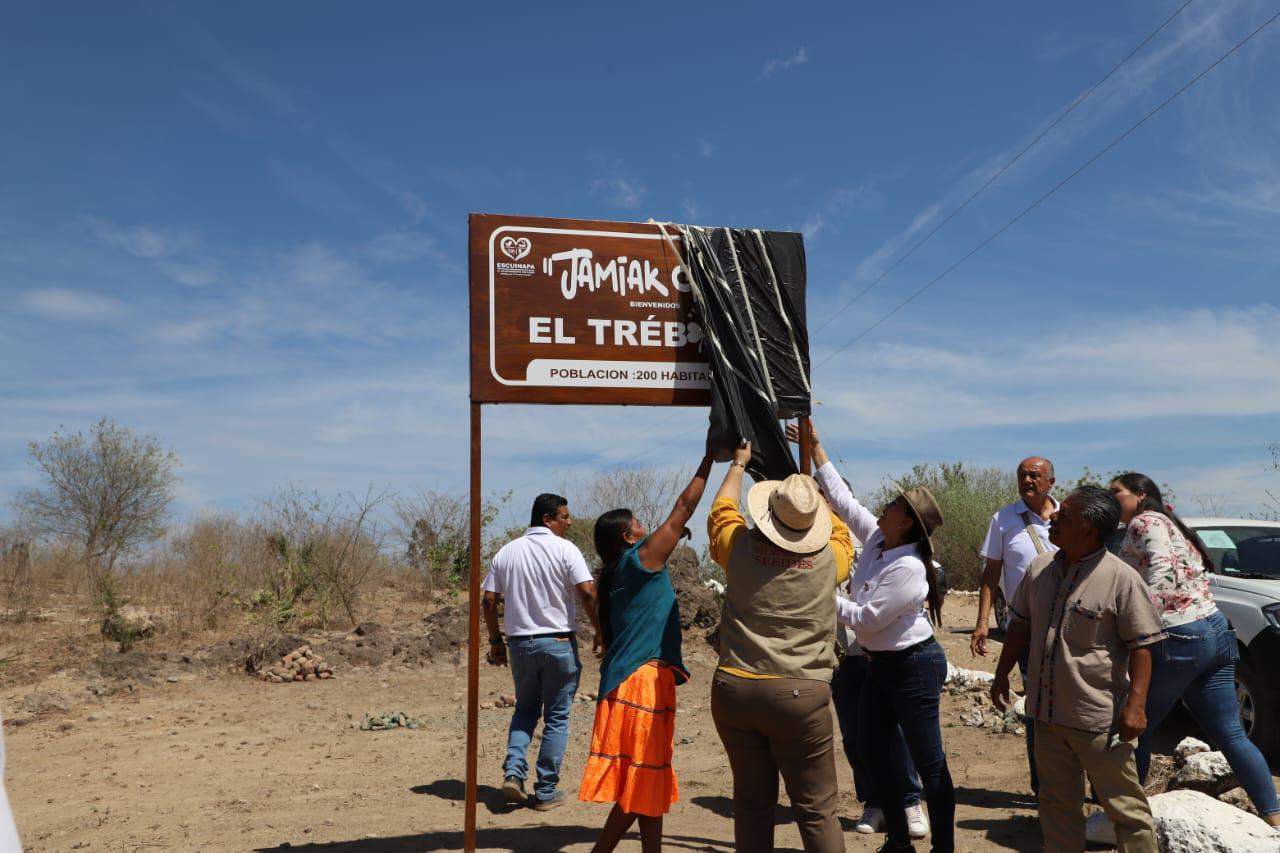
x: 777, y: 653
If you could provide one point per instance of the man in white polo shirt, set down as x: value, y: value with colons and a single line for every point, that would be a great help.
x: 1018, y: 533
x: 537, y: 576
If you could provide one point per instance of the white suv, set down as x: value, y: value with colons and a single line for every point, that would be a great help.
x: 1246, y: 586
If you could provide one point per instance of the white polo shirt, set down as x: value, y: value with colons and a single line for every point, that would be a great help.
x: 1007, y: 541
x: 536, y: 575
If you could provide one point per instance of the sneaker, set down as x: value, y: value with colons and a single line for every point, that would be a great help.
x: 872, y: 821
x: 917, y: 822
x: 557, y: 799
x: 905, y: 848
x: 513, y: 790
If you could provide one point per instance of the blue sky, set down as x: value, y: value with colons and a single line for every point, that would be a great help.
x: 242, y: 227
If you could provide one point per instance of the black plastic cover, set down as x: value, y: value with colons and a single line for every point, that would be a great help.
x: 749, y: 289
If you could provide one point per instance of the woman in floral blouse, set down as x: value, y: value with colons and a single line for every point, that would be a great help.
x: 1196, y: 664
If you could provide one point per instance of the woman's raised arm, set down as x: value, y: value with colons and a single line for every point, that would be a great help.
x: 662, y: 541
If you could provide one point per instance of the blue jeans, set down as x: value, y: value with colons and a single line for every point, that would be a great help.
x: 903, y: 691
x: 1029, y: 723
x: 545, y: 672
x: 846, y: 688
x: 1197, y: 665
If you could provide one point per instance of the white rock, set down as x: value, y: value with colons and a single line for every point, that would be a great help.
x: 1020, y: 707
x: 1208, y: 772
x: 967, y: 677
x: 1191, y: 822
x: 1189, y: 746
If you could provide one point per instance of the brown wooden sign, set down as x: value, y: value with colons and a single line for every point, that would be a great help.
x: 581, y: 311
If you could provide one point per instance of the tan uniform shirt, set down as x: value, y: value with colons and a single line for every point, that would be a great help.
x: 1084, y: 618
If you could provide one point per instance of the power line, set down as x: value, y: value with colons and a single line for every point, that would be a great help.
x: 1112, y: 144
x: 1025, y: 211
x: 991, y: 180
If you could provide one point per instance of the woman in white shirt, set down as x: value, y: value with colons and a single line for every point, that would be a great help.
x: 892, y: 583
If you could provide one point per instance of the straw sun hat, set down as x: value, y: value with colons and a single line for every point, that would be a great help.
x: 791, y: 513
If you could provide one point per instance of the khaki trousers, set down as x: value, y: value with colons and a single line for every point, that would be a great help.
x: 1063, y: 757
x: 779, y: 725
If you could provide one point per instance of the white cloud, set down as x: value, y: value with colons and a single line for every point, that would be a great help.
x: 705, y: 147
x: 190, y: 274
x: 874, y: 264
x: 1189, y: 397
x: 56, y: 303
x: 773, y: 66
x: 143, y: 241
x: 413, y: 204
x: 622, y: 191
x: 188, y: 332
x: 1093, y: 371
x: 174, y: 253
x: 811, y: 227
x: 402, y: 246
x: 1184, y: 47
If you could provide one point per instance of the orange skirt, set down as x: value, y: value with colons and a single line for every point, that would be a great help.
x: 631, y: 745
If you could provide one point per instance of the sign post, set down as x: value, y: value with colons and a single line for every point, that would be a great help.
x: 571, y: 311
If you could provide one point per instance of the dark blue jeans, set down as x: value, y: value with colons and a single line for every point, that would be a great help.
x: 1028, y: 723
x: 1197, y: 664
x: 846, y: 691
x: 903, y: 691
x: 545, y: 672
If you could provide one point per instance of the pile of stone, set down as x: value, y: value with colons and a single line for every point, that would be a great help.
x: 981, y: 714
x: 390, y: 720
x: 505, y: 701
x: 960, y: 680
x: 301, y: 664
x: 1203, y: 810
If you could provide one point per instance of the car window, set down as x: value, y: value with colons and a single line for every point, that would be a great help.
x: 1239, y: 550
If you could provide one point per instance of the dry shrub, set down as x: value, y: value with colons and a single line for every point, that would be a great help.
x: 302, y: 561
x: 434, y: 529
x: 201, y: 578
x: 968, y: 498
x: 325, y: 556
x: 15, y: 578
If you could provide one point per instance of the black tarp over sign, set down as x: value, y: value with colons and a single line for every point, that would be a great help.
x: 749, y: 289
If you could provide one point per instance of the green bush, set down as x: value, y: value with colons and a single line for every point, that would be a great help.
x: 968, y: 498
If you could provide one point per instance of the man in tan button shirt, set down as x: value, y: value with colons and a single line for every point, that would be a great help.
x: 1090, y: 624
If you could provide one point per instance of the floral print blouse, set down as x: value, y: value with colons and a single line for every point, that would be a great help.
x: 1171, y: 566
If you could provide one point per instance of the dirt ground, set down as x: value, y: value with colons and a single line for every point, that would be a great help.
x: 193, y: 760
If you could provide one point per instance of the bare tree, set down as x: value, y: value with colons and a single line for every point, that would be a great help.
x: 435, y: 529
x: 325, y: 552
x: 648, y: 492
x: 1272, y: 503
x: 1210, y: 504
x: 108, y: 492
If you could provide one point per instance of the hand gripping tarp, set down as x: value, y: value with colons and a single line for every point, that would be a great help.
x: 748, y: 290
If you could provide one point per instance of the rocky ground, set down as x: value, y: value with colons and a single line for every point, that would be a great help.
x: 148, y: 751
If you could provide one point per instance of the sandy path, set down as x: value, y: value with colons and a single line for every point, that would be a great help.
x: 228, y: 763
